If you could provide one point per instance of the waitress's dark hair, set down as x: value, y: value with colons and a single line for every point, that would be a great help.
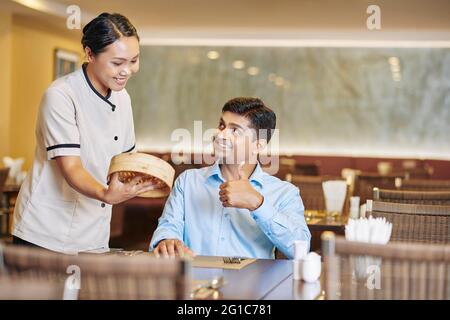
x: 106, y: 29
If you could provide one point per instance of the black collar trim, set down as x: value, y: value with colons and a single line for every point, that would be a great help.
x: 108, y: 95
x: 129, y: 150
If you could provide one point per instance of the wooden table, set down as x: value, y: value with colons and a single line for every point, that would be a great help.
x: 267, y: 279
x: 290, y: 289
x: 318, y: 222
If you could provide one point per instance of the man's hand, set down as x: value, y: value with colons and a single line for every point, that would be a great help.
x: 240, y: 193
x: 171, y: 248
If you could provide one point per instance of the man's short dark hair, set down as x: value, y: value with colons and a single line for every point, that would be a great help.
x: 254, y: 109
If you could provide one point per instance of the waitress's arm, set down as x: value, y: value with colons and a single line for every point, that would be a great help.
x: 83, y: 182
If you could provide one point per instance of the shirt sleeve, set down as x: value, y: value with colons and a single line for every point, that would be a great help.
x: 58, y: 124
x: 130, y: 138
x: 171, y: 222
x: 283, y: 223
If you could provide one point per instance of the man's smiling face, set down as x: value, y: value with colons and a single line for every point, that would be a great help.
x: 235, y: 140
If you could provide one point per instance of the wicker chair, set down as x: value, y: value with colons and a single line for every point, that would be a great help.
x: 3, y: 177
x: 4, y: 210
x: 424, y: 185
x: 414, y: 222
x: 101, y: 276
x: 311, y: 191
x: 24, y: 289
x: 365, y: 182
x: 365, y: 271
x: 413, y: 197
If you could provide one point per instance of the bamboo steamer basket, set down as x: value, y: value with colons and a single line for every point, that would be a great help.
x: 130, y: 165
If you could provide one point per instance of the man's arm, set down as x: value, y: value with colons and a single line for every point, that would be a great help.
x: 284, y: 223
x: 168, y: 237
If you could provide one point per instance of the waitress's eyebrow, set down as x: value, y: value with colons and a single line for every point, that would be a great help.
x: 123, y: 59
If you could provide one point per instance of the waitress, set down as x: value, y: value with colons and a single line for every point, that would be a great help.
x: 85, y: 119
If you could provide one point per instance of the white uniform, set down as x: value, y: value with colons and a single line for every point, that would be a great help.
x: 74, y: 120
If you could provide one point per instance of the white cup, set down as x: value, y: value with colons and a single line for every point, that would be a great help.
x: 354, y: 207
x: 309, y: 290
x: 297, y: 269
x: 311, y: 267
x: 300, y: 249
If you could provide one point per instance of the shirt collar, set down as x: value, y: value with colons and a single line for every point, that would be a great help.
x: 104, y: 98
x: 214, y: 172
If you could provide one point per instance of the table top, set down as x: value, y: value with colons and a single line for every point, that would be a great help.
x: 315, y: 218
x: 253, y: 282
x: 290, y: 289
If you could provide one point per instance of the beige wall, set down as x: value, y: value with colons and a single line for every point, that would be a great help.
x: 32, y: 63
x: 5, y: 83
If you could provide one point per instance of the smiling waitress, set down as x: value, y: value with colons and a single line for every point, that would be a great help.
x: 85, y: 119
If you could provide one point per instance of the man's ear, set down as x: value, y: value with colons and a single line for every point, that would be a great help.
x: 261, y: 144
x: 89, y: 54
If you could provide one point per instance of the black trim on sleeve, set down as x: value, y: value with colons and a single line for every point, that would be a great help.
x: 130, y: 149
x: 108, y: 95
x: 67, y: 145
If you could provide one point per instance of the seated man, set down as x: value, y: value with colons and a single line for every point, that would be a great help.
x: 233, y: 208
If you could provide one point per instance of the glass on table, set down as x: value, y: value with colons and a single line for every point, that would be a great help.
x: 335, y: 192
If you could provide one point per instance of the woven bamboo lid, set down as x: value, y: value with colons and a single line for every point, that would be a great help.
x: 149, y: 167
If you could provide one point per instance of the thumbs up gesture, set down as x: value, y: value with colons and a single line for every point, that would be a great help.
x: 240, y: 193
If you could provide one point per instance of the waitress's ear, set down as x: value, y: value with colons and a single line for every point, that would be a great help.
x: 89, y: 54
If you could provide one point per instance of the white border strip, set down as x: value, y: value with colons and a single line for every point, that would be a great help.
x: 222, y: 42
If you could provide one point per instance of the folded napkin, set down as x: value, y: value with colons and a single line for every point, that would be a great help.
x: 372, y: 230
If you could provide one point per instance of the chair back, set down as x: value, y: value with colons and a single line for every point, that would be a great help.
x: 365, y: 182
x: 415, y: 222
x: 3, y: 177
x: 366, y: 271
x: 24, y: 289
x: 101, y: 276
x: 311, y: 191
x: 413, y: 197
x: 424, y: 185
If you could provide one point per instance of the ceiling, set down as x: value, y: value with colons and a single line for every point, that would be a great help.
x: 261, y: 19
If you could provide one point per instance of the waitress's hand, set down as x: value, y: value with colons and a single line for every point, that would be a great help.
x: 118, y: 192
x: 83, y: 182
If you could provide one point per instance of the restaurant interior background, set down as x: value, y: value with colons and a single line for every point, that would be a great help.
x: 345, y: 96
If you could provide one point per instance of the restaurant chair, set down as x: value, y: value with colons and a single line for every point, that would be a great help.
x: 419, y: 173
x: 423, y: 184
x: 24, y: 289
x: 101, y: 276
x: 278, y: 167
x: 306, y: 169
x: 365, y: 182
x: 414, y: 222
x: 4, y: 206
x: 413, y: 197
x: 311, y: 191
x: 395, y: 271
x: 313, y: 197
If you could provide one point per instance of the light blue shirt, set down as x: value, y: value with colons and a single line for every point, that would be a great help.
x: 194, y: 214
